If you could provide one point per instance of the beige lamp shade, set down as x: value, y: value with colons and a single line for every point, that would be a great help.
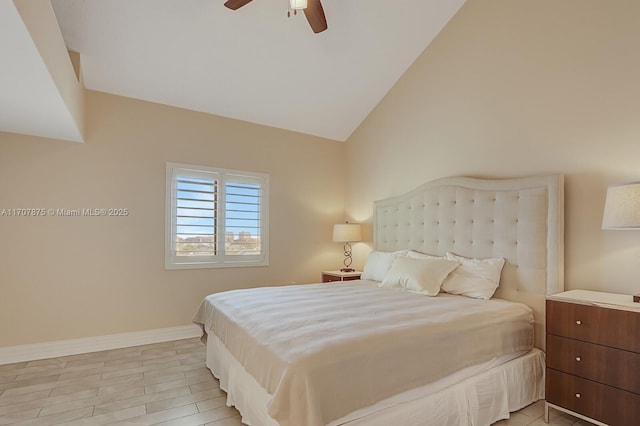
x: 622, y: 207
x: 347, y: 232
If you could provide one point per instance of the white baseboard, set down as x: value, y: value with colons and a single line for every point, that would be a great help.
x: 12, y: 354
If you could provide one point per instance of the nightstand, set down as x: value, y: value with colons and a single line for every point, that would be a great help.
x: 593, y: 357
x: 331, y: 276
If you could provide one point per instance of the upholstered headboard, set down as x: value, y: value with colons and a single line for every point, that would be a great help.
x: 521, y: 220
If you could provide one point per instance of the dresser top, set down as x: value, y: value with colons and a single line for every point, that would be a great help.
x: 588, y: 297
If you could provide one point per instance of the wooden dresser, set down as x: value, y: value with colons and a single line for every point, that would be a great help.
x: 593, y: 357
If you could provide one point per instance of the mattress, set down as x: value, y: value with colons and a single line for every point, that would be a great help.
x: 324, y: 351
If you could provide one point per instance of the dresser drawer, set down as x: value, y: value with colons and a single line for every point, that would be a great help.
x: 602, y: 364
x: 351, y: 278
x: 606, y: 404
x: 330, y: 278
x: 610, y: 327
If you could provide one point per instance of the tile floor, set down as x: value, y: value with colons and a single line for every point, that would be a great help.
x: 164, y: 383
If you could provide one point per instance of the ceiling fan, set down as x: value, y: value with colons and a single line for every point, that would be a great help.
x: 314, y: 13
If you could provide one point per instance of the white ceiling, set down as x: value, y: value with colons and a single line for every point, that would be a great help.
x: 253, y: 64
x: 30, y: 100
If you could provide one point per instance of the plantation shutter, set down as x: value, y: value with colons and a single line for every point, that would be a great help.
x: 216, y: 217
x: 196, y: 216
x: 243, y: 209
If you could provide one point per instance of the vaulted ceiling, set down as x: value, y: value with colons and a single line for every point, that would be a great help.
x: 252, y: 64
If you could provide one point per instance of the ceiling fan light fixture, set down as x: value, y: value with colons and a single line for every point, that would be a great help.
x: 298, y: 4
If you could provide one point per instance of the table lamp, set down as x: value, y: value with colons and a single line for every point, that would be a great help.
x: 347, y: 233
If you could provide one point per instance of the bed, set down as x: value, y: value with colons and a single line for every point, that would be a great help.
x: 311, y: 355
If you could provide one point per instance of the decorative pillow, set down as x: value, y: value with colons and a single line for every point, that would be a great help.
x: 477, y: 278
x: 379, y: 263
x: 419, y: 275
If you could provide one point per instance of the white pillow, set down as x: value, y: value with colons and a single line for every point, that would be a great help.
x: 417, y: 255
x: 477, y: 278
x: 418, y: 275
x: 379, y: 263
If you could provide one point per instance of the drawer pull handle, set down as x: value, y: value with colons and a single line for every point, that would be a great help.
x: 578, y: 322
x: 578, y: 359
x: 578, y: 395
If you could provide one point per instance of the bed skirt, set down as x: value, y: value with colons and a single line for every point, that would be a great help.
x: 489, y: 395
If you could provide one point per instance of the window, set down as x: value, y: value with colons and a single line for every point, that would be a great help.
x: 216, y: 217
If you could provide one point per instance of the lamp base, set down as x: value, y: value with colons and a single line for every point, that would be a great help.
x: 636, y: 298
x: 353, y: 270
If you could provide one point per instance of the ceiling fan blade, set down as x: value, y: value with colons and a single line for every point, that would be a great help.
x: 315, y: 15
x: 236, y: 4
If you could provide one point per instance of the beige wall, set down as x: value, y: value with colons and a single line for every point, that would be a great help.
x: 513, y: 88
x: 72, y: 277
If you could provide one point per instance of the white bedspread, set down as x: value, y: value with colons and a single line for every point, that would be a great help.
x: 326, y: 350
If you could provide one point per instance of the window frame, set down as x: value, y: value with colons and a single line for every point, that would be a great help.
x: 220, y: 259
